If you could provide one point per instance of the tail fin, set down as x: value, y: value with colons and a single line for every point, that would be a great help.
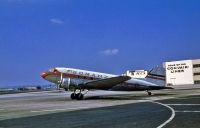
x: 157, y: 73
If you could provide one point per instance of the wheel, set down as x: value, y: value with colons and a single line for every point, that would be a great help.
x: 73, y: 96
x: 149, y: 93
x: 79, y: 96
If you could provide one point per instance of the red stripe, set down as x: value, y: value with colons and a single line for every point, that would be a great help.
x: 65, y: 75
x: 154, y: 77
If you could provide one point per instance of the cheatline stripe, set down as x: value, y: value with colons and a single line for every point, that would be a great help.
x: 69, y: 75
x: 154, y: 77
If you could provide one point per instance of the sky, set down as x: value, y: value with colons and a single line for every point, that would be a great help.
x: 109, y: 36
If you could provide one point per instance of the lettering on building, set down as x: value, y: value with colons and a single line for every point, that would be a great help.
x: 177, y: 68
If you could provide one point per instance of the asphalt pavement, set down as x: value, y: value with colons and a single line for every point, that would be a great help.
x: 167, y: 109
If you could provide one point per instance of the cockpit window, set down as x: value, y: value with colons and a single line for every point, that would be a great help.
x: 52, y: 70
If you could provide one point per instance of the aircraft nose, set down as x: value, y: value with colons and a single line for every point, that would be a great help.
x: 43, y: 74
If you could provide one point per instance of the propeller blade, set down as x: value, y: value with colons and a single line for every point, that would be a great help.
x: 60, y: 82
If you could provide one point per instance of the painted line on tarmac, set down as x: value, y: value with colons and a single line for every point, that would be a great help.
x: 48, y: 110
x: 189, y: 111
x: 54, y: 110
x: 183, y: 104
x: 171, y: 117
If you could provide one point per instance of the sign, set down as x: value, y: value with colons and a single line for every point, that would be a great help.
x: 137, y: 73
x: 177, y: 68
x: 179, y: 72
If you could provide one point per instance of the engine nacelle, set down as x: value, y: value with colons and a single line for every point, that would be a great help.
x: 68, y: 84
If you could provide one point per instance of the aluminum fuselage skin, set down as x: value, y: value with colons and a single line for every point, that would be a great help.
x: 79, y: 76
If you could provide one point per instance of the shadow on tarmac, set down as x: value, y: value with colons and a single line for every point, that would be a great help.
x: 125, y: 97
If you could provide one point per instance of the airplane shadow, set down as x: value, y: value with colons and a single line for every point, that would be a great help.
x: 125, y: 97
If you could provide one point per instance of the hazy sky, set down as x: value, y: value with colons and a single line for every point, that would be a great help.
x: 101, y: 35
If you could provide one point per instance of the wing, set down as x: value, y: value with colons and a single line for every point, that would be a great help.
x: 105, y: 84
x: 153, y: 86
x: 147, y: 85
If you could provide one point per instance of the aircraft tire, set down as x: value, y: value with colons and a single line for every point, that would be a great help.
x: 149, y: 93
x: 74, y: 96
x: 80, y: 96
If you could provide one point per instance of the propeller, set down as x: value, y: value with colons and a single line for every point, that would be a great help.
x: 60, y: 82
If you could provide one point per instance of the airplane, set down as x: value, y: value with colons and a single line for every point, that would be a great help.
x: 79, y: 80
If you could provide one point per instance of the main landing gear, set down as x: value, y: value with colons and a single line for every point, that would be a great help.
x: 78, y: 96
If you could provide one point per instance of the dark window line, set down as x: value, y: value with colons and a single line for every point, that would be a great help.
x: 197, y: 82
x: 197, y: 73
x: 196, y: 65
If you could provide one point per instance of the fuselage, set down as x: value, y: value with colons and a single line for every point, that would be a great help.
x: 54, y: 74
x: 78, y: 76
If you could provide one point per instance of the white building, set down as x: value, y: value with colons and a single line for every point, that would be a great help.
x: 182, y: 72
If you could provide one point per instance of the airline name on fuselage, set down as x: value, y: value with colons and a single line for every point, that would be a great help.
x: 87, y: 74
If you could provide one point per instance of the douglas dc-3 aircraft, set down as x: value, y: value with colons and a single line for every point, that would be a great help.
x: 80, y: 80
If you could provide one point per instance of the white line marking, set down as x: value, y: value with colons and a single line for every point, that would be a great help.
x: 170, y: 119
x: 182, y: 104
x: 54, y: 110
x: 50, y: 110
x: 188, y: 111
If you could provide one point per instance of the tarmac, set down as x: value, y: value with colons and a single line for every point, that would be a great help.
x: 177, y: 108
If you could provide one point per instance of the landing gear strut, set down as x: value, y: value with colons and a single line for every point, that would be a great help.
x: 80, y: 96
